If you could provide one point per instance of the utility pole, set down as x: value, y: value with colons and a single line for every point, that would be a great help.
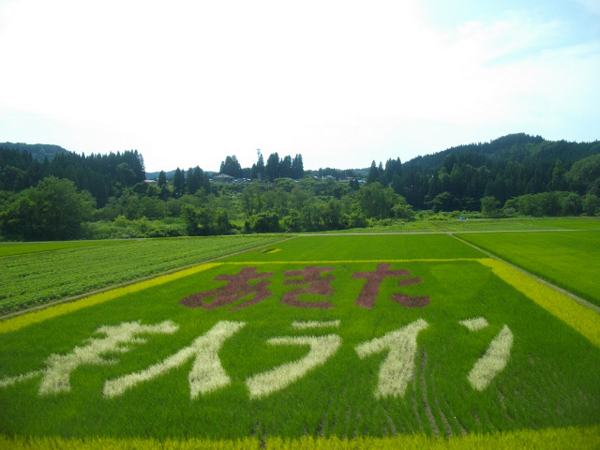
x: 257, y: 159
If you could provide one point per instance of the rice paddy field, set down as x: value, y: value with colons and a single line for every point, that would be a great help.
x: 311, y: 342
x: 470, y: 224
x: 569, y: 260
x: 37, y: 274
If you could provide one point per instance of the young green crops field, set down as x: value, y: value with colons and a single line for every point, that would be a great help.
x: 333, y: 337
x: 569, y: 260
x: 37, y: 274
x: 449, y: 224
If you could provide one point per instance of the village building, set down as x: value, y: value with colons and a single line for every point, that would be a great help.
x: 223, y: 178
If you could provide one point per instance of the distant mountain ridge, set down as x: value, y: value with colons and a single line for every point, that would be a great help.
x: 37, y: 151
x: 518, y: 147
x: 455, y: 179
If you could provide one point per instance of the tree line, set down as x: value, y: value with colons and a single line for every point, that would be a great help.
x: 101, y: 196
x: 276, y: 167
x: 103, y: 176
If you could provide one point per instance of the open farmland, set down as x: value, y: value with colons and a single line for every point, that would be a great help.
x: 23, y: 248
x: 37, y: 274
x: 328, y: 336
x: 569, y: 260
x: 455, y: 225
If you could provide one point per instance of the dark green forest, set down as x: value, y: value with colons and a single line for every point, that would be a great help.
x: 48, y: 193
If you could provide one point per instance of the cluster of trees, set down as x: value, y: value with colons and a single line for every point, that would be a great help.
x: 282, y: 168
x: 102, y: 176
x: 183, y: 183
x: 287, y: 205
x: 99, y: 196
x: 512, y: 166
x: 555, y: 203
x: 276, y: 167
x: 310, y: 205
x: 52, y: 210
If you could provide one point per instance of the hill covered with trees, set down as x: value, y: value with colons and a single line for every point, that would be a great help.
x: 109, y: 196
x: 38, y: 152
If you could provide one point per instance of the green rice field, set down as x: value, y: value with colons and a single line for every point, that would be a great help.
x: 569, y: 260
x: 455, y: 225
x: 311, y: 341
x: 38, y: 274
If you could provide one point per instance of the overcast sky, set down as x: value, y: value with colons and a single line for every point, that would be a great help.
x: 343, y: 83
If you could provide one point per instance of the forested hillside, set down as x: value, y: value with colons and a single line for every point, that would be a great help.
x: 504, y: 168
x: 102, y: 175
x: 101, y: 196
x: 39, y: 152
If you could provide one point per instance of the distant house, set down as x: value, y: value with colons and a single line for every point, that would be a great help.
x: 223, y: 178
x: 323, y: 178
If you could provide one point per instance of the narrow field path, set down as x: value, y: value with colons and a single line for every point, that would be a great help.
x: 403, y: 233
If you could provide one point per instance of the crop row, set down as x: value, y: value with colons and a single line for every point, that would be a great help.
x: 40, y: 278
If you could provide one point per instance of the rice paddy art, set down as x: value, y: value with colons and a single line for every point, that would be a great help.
x: 437, y: 340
